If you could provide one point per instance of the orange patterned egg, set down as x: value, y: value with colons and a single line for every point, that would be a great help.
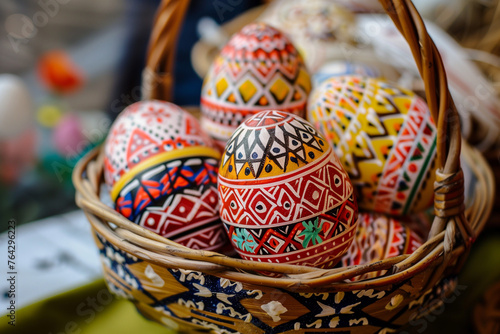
x: 258, y: 69
x: 285, y: 196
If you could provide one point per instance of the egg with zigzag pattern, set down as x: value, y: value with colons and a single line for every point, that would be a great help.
x: 385, y: 138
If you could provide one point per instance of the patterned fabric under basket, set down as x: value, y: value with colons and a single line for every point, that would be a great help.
x: 200, y: 291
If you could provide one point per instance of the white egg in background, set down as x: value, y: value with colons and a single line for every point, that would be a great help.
x: 16, y: 106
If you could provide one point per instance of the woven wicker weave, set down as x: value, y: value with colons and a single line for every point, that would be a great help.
x: 191, y: 290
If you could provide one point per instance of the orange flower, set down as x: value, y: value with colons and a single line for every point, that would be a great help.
x: 59, y: 73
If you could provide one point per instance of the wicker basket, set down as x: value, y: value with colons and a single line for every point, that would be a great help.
x: 200, y: 291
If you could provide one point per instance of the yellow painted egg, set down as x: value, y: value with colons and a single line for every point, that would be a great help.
x: 258, y: 69
x: 285, y: 196
x: 162, y: 171
x: 385, y: 138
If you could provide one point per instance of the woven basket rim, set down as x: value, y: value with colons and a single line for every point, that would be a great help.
x: 151, y: 247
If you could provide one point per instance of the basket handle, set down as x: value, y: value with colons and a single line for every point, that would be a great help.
x: 448, y: 188
x: 158, y: 75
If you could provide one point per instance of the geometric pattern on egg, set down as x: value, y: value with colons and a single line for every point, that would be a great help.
x: 147, y: 129
x: 285, y: 203
x: 177, y: 199
x: 258, y: 69
x: 270, y: 144
x: 385, y: 137
x: 162, y: 169
x: 379, y: 237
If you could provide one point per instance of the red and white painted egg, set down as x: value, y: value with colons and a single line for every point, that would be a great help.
x: 258, y: 69
x: 162, y: 171
x: 380, y: 237
x: 147, y: 129
x: 285, y: 196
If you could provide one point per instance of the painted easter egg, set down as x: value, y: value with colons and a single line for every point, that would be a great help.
x: 146, y: 130
x: 285, y: 195
x: 162, y: 170
x: 258, y: 69
x: 379, y: 237
x: 385, y: 138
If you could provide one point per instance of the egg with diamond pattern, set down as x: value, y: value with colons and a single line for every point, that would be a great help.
x: 285, y: 197
x: 258, y: 69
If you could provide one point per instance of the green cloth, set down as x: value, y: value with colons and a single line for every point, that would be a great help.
x: 92, y: 310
